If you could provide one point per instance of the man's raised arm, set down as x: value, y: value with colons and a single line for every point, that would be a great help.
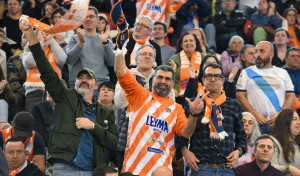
x: 120, y: 66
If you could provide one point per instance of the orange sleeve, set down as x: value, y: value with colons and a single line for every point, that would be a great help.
x: 297, y: 104
x: 134, y: 92
x: 168, y: 8
x: 181, y: 120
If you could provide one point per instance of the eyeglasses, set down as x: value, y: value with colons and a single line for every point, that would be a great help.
x: 291, y: 15
x: 2, y: 36
x: 147, y: 54
x: 141, y: 26
x: 217, y: 77
x: 91, y: 16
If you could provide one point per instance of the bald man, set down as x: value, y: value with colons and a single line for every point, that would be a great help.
x: 162, y: 170
x: 264, y: 89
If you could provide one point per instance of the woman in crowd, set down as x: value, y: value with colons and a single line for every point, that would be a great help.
x: 34, y: 87
x: 101, y: 27
x: 47, y: 13
x: 252, y: 132
x: 264, y: 21
x: 290, y: 15
x: 188, y: 52
x: 230, y: 59
x: 286, y: 134
x: 281, y: 40
x: 202, y: 39
x: 195, y: 82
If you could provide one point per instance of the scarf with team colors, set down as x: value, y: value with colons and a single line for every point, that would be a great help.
x: 184, y: 70
x: 213, y: 116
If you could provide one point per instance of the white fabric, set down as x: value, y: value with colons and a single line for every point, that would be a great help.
x: 279, y: 80
x: 3, y: 111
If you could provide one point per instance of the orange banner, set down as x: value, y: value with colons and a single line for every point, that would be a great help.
x: 72, y: 19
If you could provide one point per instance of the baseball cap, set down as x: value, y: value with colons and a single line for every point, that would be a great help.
x: 23, y: 124
x: 88, y: 71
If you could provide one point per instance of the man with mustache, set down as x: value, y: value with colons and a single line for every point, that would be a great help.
x: 154, y: 118
x: 264, y: 89
x: 83, y: 132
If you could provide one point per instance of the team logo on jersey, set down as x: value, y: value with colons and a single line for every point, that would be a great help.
x: 155, y: 140
x: 168, y: 110
x: 154, y: 7
x: 155, y: 150
x: 158, y: 124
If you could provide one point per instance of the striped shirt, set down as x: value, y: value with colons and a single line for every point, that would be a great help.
x: 153, y: 122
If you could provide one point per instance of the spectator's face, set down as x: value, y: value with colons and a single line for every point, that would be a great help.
x: 24, y: 40
x: 106, y: 95
x: 91, y: 20
x: 15, y: 154
x: 49, y: 10
x: 213, y: 80
x: 228, y: 5
x: 159, y: 32
x: 162, y: 83
x: 198, y: 35
x: 101, y: 25
x: 263, y: 5
x: 85, y: 84
x: 145, y: 60
x: 281, y: 38
x: 236, y: 45
x: 249, y: 56
x: 295, y: 126
x: 248, y: 124
x: 188, y: 44
x: 142, y: 29
x: 44, y: 38
x: 264, y: 55
x: 291, y: 18
x: 14, y: 6
x: 2, y: 37
x: 293, y: 59
x: 264, y: 151
x: 56, y: 17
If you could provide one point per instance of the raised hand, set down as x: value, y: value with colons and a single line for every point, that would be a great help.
x: 80, y: 33
x: 105, y: 35
x: 197, y: 105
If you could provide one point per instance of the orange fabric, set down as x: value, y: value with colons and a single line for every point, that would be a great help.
x: 296, y: 106
x: 175, y: 6
x: 153, y: 8
x: 293, y: 41
x: 153, y: 120
x: 29, y: 142
x: 184, y: 69
x: 34, y: 74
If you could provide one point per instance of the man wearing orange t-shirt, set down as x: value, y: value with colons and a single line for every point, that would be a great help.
x: 154, y: 119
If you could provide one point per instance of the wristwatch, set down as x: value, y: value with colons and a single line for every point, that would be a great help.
x: 193, y: 115
x: 241, y: 151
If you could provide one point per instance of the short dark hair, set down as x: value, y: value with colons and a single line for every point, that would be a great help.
x: 95, y: 10
x: 264, y: 136
x: 245, y: 48
x: 213, y: 65
x: 59, y: 10
x: 289, y: 50
x: 165, y: 26
x: 179, y: 42
x: 107, y: 84
x: 13, y: 140
x: 281, y: 29
x: 103, y: 169
x: 165, y: 68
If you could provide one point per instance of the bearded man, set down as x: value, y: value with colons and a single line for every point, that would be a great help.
x: 83, y: 132
x: 154, y: 118
x: 264, y: 89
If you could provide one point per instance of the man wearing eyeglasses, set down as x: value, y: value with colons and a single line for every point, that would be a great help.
x: 213, y: 148
x: 264, y: 89
x: 142, y: 32
x: 88, y: 49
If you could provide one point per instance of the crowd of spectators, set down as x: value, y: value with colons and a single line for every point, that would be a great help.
x: 239, y: 58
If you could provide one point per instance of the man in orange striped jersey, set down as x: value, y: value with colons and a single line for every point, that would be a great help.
x: 154, y: 118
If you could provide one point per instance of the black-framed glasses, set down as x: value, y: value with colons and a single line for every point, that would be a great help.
x: 141, y: 25
x: 147, y: 54
x: 210, y: 76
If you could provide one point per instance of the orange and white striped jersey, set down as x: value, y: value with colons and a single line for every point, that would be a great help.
x: 153, y: 121
x: 156, y: 9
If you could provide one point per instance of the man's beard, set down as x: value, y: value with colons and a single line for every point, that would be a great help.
x: 263, y: 63
x: 84, y: 91
x: 163, y: 92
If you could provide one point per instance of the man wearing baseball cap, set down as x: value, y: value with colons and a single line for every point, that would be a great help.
x: 83, y: 132
x: 22, y: 127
